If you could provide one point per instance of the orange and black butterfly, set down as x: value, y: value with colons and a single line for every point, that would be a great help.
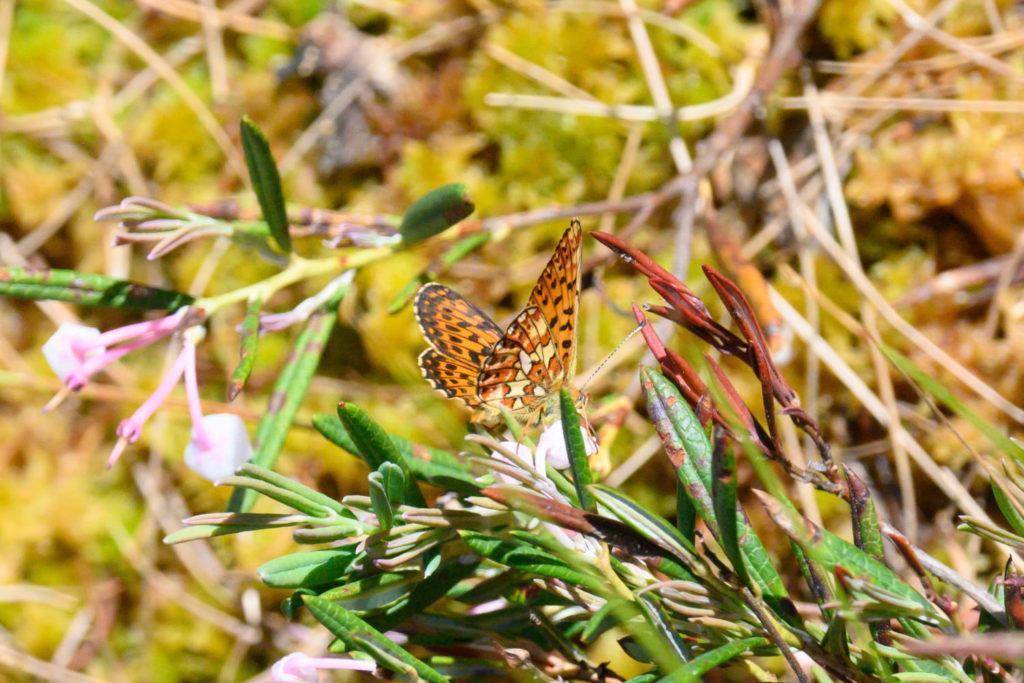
x: 521, y: 369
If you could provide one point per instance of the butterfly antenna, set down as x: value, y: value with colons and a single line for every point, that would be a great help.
x: 614, y: 351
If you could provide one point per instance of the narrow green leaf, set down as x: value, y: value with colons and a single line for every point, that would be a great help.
x: 201, y: 531
x: 86, y: 289
x: 650, y: 526
x: 435, y: 212
x: 394, y: 483
x: 312, y: 495
x: 829, y: 551
x: 266, y: 182
x: 428, y: 591
x: 723, y: 493
x: 379, y: 500
x: 247, y: 340
x: 464, y: 248
x: 696, y: 669
x: 283, y: 496
x: 686, y: 514
x: 432, y: 465
x: 529, y: 559
x: 611, y: 614
x: 313, y: 568
x: 946, y: 397
x: 371, y: 593
x: 289, y: 391
x: 581, y: 476
x: 1010, y: 512
x: 356, y: 634
x: 376, y: 447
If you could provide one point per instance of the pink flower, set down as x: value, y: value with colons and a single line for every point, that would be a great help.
x: 218, y: 447
x: 301, y: 668
x: 76, y: 352
x: 69, y: 347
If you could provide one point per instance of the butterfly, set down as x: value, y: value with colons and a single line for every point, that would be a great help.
x: 520, y: 369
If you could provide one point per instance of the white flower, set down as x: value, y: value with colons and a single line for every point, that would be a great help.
x: 551, y: 447
x: 219, y: 447
x: 301, y: 668
x: 68, y: 348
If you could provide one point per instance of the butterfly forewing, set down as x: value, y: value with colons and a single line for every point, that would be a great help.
x: 453, y: 326
x: 557, y: 295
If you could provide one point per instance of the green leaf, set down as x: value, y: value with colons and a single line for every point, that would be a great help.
x: 830, y: 552
x: 266, y: 182
x: 581, y: 476
x: 201, y: 531
x: 648, y: 525
x: 723, y: 493
x: 946, y: 397
x: 435, y: 212
x: 428, y: 591
x: 373, y: 593
x: 86, y: 289
x: 247, y: 354
x: 289, y: 391
x: 357, y: 635
x: 696, y: 669
x: 313, y: 568
x: 376, y: 447
x: 1010, y: 512
x: 435, y: 466
x: 280, y: 481
x: 529, y: 559
x: 689, y: 449
x: 686, y: 514
x: 387, y: 492
x: 464, y: 248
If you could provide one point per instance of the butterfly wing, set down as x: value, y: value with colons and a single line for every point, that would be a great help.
x: 461, y: 337
x: 557, y: 295
x: 453, y: 326
x: 524, y: 366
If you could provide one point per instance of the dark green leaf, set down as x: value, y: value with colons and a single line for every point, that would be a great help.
x: 529, y: 559
x: 376, y: 447
x: 247, y: 353
x: 686, y: 514
x: 357, y: 635
x: 435, y: 466
x: 266, y: 182
x: 581, y: 476
x: 435, y: 212
x: 86, y: 289
x: 464, y: 248
x: 723, y: 493
x: 312, y: 495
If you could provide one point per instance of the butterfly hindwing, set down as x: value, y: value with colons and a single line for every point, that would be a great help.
x: 451, y: 378
x: 524, y: 366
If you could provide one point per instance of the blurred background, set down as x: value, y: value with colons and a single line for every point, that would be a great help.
x: 900, y: 127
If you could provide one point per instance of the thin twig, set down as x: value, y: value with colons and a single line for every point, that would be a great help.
x: 177, y: 83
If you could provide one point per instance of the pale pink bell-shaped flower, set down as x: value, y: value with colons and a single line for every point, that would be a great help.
x: 219, y: 446
x: 69, y: 347
x: 551, y: 447
x: 301, y: 668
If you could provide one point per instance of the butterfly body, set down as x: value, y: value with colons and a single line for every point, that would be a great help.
x: 521, y: 369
